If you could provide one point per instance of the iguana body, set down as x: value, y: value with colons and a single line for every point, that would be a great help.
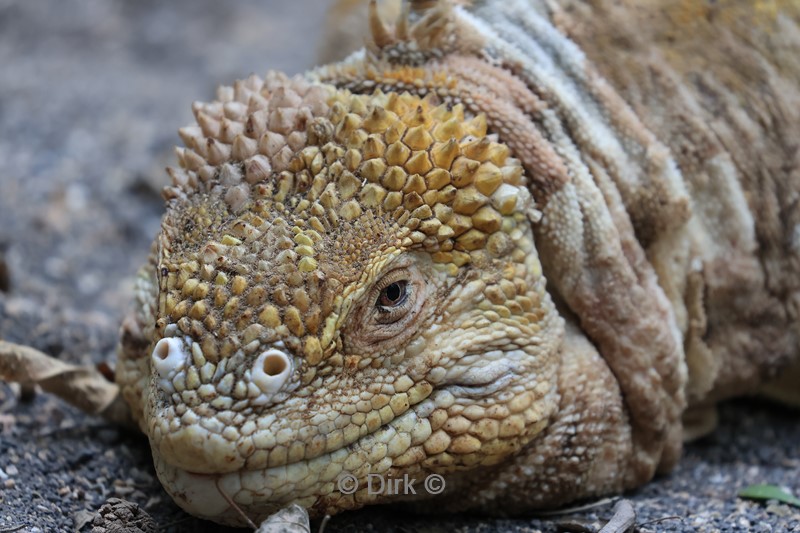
x: 512, y: 244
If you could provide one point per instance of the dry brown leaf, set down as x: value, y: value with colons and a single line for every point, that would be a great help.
x: 83, y: 386
x: 291, y: 519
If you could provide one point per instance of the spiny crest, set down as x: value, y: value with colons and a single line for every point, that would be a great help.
x: 431, y: 168
x: 324, y: 156
x: 424, y: 28
x: 251, y: 131
x: 408, y: 56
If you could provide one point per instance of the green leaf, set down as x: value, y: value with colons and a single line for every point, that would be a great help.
x: 768, y: 492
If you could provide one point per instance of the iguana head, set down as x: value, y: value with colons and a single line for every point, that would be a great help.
x: 347, y: 285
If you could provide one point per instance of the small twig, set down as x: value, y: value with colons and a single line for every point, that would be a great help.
x: 579, y: 508
x: 324, y: 523
x: 659, y: 520
x: 11, y: 529
x: 233, y: 504
x: 624, y: 518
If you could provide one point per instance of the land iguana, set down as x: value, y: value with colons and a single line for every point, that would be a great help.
x: 521, y: 244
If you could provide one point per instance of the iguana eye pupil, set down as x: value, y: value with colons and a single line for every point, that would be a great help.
x: 394, y: 294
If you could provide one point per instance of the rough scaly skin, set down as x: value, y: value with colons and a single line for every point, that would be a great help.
x: 577, y: 267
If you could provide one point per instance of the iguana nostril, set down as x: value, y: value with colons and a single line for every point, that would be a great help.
x: 168, y: 356
x: 274, y: 364
x: 162, y: 349
x: 271, y: 370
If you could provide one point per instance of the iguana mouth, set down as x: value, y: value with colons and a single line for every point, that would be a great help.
x: 304, y: 482
x: 224, y: 442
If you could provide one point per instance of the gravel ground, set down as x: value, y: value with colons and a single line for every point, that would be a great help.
x: 91, y: 95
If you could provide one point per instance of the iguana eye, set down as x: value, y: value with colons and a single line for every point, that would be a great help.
x: 387, y: 315
x: 393, y: 295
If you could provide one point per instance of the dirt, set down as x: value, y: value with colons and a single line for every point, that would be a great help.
x: 91, y: 95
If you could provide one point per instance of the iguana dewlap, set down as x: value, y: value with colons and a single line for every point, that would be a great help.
x: 510, y: 243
